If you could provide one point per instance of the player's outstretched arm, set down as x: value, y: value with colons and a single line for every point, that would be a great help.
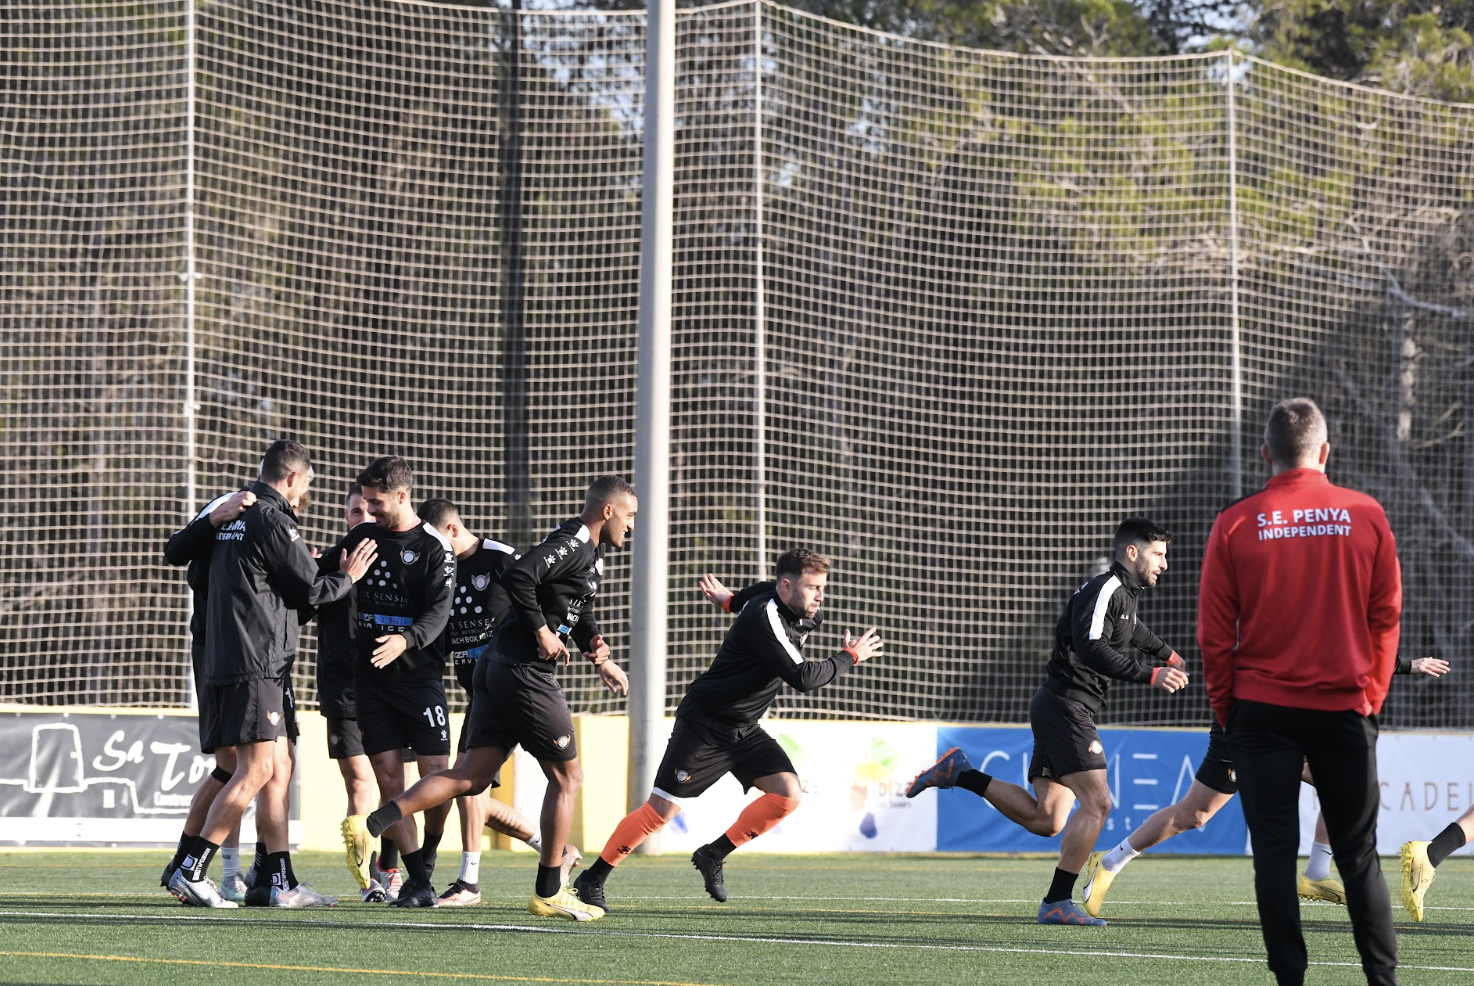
x: 1433, y: 667
x: 865, y: 647
x: 712, y: 588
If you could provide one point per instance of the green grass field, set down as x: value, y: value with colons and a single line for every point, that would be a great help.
x: 97, y: 917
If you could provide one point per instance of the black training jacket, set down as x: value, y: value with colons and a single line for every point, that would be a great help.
x: 479, y: 607
x: 190, y: 545
x: 762, y: 651
x: 261, y: 573
x: 553, y: 585
x: 407, y: 591
x: 1091, y: 636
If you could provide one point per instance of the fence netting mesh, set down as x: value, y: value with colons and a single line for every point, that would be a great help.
x: 994, y: 298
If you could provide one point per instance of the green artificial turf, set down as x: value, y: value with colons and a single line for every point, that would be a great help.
x: 99, y: 917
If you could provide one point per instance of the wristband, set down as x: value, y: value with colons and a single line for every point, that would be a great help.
x: 854, y: 655
x: 727, y: 603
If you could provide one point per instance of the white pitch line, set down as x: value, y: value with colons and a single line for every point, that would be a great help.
x: 676, y: 936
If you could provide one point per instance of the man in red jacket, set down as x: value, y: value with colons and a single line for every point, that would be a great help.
x: 1298, y: 615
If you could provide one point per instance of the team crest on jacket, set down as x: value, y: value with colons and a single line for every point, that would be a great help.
x: 407, y: 556
x: 480, y: 581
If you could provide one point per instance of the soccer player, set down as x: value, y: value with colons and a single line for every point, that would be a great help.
x: 1213, y: 787
x: 1299, y: 612
x: 261, y: 571
x: 717, y: 731
x: 477, y: 610
x: 337, y: 654
x: 1421, y: 859
x: 401, y: 610
x: 518, y: 699
x: 191, y: 546
x: 1069, y: 762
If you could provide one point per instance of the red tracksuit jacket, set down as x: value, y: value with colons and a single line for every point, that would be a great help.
x: 1300, y: 599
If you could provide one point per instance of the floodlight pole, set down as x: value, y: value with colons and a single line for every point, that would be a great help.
x: 1235, y: 354
x: 189, y: 276
x: 651, y: 577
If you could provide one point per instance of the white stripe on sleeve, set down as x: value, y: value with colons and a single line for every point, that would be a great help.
x: 781, y: 632
x: 1102, y: 602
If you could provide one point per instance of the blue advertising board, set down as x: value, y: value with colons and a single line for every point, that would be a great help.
x: 1147, y: 769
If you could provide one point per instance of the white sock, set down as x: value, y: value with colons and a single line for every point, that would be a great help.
x: 1319, y: 865
x: 1115, y: 860
x: 471, y: 867
x: 232, y: 858
x: 536, y: 842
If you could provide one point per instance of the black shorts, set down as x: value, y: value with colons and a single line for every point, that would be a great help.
x: 1065, y: 739
x: 699, y: 754
x: 403, y: 712
x: 344, y: 738
x: 255, y: 711
x: 464, y: 664
x: 520, y: 704
x: 1216, y: 771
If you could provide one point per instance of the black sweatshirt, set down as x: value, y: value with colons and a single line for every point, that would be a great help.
x: 1091, y: 636
x: 553, y: 585
x: 762, y: 651
x: 407, y: 591
x: 261, y: 574
x: 191, y: 545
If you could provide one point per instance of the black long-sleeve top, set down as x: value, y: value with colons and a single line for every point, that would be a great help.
x: 762, y: 652
x: 408, y: 591
x: 553, y: 585
x: 1091, y: 637
x: 261, y: 574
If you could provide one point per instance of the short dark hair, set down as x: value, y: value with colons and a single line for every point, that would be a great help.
x: 1139, y: 531
x: 795, y: 561
x: 283, y: 458
x: 1295, y: 430
x: 354, y: 489
x: 389, y: 473
x: 605, y: 489
x: 438, y: 511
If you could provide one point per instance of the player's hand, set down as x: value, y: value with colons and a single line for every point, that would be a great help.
x: 365, y: 553
x: 1169, y: 679
x: 549, y: 647
x: 1176, y: 661
x: 867, y: 646
x: 1433, y: 667
x: 613, y: 677
x: 390, y: 646
x: 232, y: 508
x: 712, y: 588
x: 598, y: 651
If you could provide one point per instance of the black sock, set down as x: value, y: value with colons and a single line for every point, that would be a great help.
x: 1063, y: 887
x: 279, y: 866
x: 549, y: 880
x: 599, y: 872
x: 388, y: 855
x: 975, y: 781
x: 381, y: 818
x: 258, y: 863
x: 197, y: 860
x: 1445, y: 842
x: 414, y: 864
x: 429, y: 850
x: 185, y: 841
x: 720, y: 847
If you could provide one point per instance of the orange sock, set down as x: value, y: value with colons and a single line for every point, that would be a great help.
x: 632, y: 830
x: 760, y: 816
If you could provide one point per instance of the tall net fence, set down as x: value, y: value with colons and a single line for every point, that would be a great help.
x: 946, y: 315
